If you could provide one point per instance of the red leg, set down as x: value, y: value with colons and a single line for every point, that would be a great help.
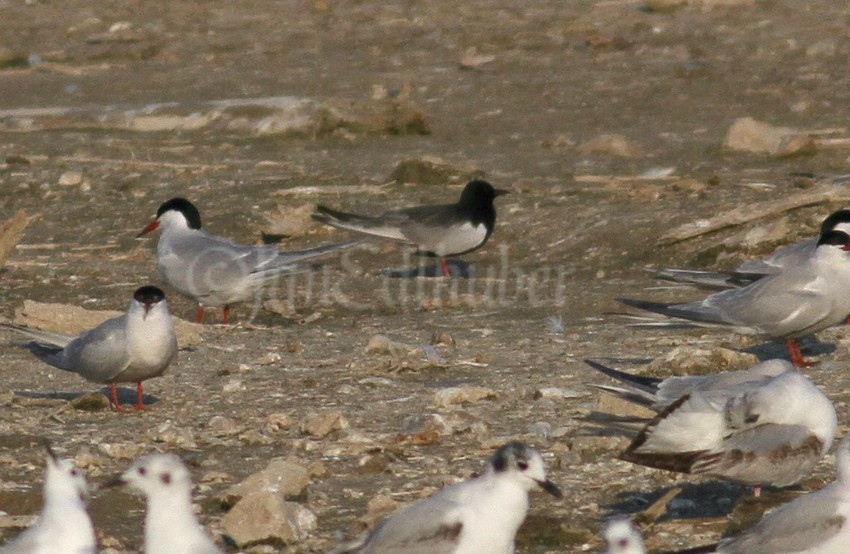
x: 757, y: 491
x: 446, y: 273
x: 115, y: 398
x: 796, y: 354
x: 200, y: 314
x: 140, y: 404
x: 226, y: 317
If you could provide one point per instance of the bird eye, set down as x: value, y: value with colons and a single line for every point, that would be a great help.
x: 74, y: 473
x: 165, y: 478
x: 142, y: 471
x: 522, y: 465
x: 623, y: 543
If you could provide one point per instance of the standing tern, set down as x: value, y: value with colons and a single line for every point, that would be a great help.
x: 64, y: 525
x: 170, y: 523
x: 767, y: 425
x: 133, y: 347
x: 479, y: 516
x: 799, y: 300
x: 213, y: 270
x: 435, y: 230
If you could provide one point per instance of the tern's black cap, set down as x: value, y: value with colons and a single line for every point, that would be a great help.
x: 149, y: 295
x: 836, y: 238
x: 189, y: 211
x: 833, y: 219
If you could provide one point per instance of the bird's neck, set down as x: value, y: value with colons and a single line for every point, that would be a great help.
x: 166, y: 516
x: 69, y: 513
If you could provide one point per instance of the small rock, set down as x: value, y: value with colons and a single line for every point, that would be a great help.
x: 611, y: 144
x: 282, y: 477
x: 692, y: 360
x: 471, y: 59
x: 71, y: 178
x: 748, y: 135
x: 93, y: 402
x: 270, y: 358
x: 221, y: 426
x: 288, y: 221
x: 122, y: 450
x: 234, y: 385
x: 431, y: 170
x: 463, y: 394
x: 173, y: 436
x: 277, y: 422
x: 323, y: 424
x: 590, y: 447
x: 264, y: 517
x: 556, y: 393
x: 425, y: 423
x: 381, y: 344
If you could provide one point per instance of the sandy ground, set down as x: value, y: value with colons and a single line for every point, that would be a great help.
x: 514, y: 93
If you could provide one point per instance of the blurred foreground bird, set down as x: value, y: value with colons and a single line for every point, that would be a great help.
x: 170, y: 523
x: 64, y: 525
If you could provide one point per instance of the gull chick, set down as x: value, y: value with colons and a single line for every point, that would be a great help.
x: 133, y: 347
x: 64, y: 525
x: 479, y: 516
x: 170, y: 524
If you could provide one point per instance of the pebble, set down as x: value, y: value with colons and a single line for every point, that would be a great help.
x: 693, y: 360
x: 749, y: 135
x: 323, y: 424
x: 221, y: 426
x: 611, y: 144
x: 283, y: 477
x: 556, y: 393
x: 464, y: 394
x: 265, y: 517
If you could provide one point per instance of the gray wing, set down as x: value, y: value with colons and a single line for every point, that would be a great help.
x: 431, y: 526
x: 731, y: 382
x: 97, y: 355
x: 799, y: 526
x: 786, y: 256
x: 770, y: 306
x: 43, y: 337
